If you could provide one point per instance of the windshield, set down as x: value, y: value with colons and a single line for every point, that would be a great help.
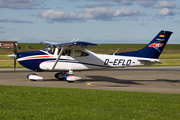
x: 49, y: 49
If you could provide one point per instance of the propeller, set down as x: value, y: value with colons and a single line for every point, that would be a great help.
x: 15, y: 53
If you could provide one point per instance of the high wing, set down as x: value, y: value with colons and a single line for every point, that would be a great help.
x: 70, y: 45
x: 48, y: 43
x: 76, y: 44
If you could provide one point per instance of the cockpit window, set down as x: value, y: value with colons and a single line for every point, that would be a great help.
x: 65, y: 53
x: 49, y: 49
x: 80, y: 53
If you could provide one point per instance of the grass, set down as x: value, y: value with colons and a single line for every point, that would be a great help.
x: 9, y: 64
x: 132, y: 46
x: 72, y: 104
x: 31, y: 45
x: 168, y: 59
x: 170, y: 55
x: 120, y: 46
x: 168, y: 62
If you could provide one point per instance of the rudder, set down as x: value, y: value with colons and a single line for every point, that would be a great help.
x: 153, y: 49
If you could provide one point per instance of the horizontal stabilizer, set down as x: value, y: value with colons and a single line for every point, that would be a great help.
x: 150, y: 62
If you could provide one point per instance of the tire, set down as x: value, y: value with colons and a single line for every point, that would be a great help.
x: 70, y: 81
x: 33, y: 80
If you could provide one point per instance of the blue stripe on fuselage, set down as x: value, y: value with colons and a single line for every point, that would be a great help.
x: 32, y: 64
x: 29, y: 53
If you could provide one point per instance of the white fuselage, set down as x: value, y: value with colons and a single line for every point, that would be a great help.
x: 92, y: 61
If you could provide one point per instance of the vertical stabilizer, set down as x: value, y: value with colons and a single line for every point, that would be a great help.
x: 153, y: 49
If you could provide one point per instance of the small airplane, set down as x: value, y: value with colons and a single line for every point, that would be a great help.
x: 73, y: 56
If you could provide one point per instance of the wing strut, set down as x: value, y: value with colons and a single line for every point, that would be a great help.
x: 60, y: 53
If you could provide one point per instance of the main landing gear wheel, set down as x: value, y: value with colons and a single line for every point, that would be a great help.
x: 32, y: 80
x: 60, y: 75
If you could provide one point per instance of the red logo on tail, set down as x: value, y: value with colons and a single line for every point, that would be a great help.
x: 156, y: 45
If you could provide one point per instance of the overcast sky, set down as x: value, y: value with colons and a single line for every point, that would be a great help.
x: 97, y: 21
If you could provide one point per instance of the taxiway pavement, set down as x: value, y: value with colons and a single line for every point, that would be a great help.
x: 142, y: 79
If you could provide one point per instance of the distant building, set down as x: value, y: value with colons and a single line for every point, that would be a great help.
x: 7, y: 44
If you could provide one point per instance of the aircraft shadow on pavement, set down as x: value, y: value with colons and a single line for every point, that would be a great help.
x: 166, y: 80
x: 123, y: 83
x: 111, y: 81
x: 100, y: 79
x: 46, y: 80
x: 108, y: 79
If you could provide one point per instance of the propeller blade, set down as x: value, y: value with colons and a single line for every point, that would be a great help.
x: 14, y: 55
x: 14, y: 65
x: 15, y: 52
x: 15, y: 48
